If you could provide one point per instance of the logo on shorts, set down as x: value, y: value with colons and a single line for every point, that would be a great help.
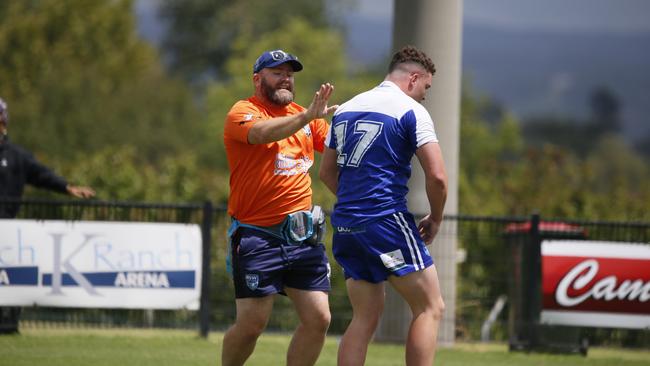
x: 393, y: 260
x: 252, y: 281
x: 350, y: 229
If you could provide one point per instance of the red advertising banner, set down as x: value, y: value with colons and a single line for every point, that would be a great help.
x: 599, y: 284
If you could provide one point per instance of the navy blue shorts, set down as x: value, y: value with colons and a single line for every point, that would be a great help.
x: 263, y: 264
x: 389, y: 246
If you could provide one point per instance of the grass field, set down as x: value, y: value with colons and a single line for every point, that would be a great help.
x: 103, y: 347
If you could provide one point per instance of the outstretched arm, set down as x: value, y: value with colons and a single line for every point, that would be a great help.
x: 430, y: 157
x: 41, y: 176
x: 282, y: 127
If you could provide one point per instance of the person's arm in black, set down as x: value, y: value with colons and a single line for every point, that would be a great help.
x: 41, y: 176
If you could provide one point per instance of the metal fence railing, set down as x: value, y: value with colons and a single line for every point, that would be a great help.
x: 201, y: 214
x: 483, y: 271
x: 488, y: 271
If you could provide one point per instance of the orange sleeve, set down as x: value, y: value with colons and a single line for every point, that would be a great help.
x: 319, y: 128
x: 239, y: 120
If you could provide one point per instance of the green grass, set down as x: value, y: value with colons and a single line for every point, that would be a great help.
x: 99, y: 347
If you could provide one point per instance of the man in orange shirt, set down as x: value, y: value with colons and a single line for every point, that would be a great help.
x: 270, y: 143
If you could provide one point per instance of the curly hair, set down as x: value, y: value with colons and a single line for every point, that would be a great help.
x: 411, y: 54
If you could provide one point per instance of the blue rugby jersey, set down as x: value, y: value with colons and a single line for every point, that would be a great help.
x: 375, y: 135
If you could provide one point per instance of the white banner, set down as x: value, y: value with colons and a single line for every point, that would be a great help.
x: 94, y: 264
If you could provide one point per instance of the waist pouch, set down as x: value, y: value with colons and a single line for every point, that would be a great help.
x: 301, y: 227
x: 298, y: 228
x: 318, y: 223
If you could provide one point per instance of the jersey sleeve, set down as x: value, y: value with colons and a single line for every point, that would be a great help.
x: 424, y: 130
x: 320, y: 129
x: 239, y: 120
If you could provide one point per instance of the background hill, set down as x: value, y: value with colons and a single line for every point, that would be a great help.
x: 533, y: 60
x: 542, y: 72
x: 536, y: 71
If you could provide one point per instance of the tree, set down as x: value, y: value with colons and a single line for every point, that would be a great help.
x: 81, y: 85
x: 605, y: 110
x: 120, y: 173
x: 78, y: 78
x: 618, y: 182
x: 201, y: 32
x: 501, y: 173
x: 579, y: 136
x: 488, y: 151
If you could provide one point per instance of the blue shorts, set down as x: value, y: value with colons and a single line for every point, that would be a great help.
x: 388, y: 246
x: 263, y: 264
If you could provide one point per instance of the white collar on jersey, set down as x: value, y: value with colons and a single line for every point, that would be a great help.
x: 388, y: 84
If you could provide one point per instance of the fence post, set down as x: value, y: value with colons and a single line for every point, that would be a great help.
x: 205, y: 310
x: 535, y: 278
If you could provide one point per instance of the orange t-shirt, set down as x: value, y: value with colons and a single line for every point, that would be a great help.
x: 269, y: 181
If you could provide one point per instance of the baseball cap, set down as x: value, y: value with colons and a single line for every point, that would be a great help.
x: 4, y: 113
x: 275, y: 58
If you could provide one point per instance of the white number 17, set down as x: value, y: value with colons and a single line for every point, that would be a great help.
x: 369, y: 130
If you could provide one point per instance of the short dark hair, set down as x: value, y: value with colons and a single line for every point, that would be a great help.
x: 411, y: 54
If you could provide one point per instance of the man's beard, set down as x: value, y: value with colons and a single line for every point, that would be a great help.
x: 277, y: 96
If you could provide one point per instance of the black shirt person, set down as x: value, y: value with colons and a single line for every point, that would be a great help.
x: 18, y: 167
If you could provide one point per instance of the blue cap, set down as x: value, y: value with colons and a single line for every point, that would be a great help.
x: 275, y: 58
x: 4, y: 113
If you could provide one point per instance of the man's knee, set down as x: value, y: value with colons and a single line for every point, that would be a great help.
x: 250, y: 328
x: 374, y: 318
x: 319, y: 322
x: 438, y: 308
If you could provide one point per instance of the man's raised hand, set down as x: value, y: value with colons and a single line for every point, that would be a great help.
x: 318, y: 107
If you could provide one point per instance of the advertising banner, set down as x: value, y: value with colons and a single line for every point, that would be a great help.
x: 92, y: 264
x: 595, y: 284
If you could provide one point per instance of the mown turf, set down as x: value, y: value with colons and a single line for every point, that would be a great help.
x: 128, y: 347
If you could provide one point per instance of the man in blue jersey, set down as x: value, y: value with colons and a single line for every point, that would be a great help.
x: 367, y: 163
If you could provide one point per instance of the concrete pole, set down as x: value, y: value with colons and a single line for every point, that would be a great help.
x: 434, y: 26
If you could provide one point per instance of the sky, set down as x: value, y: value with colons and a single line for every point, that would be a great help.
x: 575, y: 15
x: 369, y: 38
x: 605, y: 16
x: 567, y: 15
x: 613, y: 23
x: 564, y: 15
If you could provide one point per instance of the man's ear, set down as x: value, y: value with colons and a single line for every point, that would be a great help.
x: 412, y: 79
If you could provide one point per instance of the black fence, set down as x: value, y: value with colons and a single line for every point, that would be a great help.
x: 484, y: 272
x: 496, y: 264
x: 201, y: 214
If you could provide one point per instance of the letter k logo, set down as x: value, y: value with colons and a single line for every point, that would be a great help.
x: 57, y: 275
